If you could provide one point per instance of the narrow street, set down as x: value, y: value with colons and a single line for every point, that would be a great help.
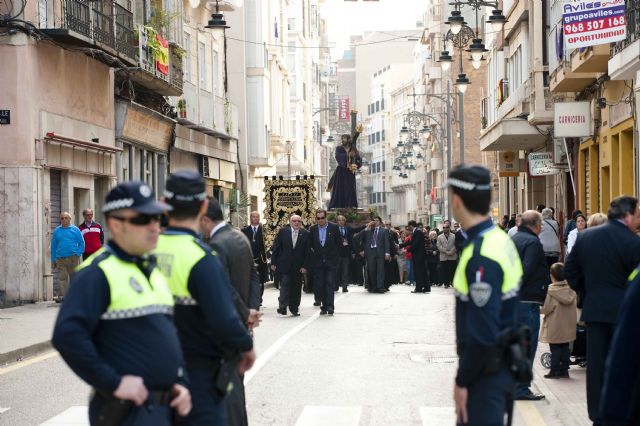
x: 380, y: 360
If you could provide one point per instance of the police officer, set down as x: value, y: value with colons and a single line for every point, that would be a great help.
x: 116, y: 320
x: 486, y: 285
x: 214, y: 339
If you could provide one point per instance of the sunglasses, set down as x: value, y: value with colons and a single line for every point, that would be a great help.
x: 139, y: 220
x: 320, y: 218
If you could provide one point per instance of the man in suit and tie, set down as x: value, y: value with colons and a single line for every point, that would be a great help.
x: 254, y: 233
x: 289, y: 262
x: 324, y: 253
x: 345, y: 254
x: 418, y: 257
x: 598, y: 269
x: 376, y: 251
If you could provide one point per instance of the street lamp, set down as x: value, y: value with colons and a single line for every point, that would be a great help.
x: 456, y: 21
x: 217, y: 21
x: 445, y: 60
x: 496, y: 20
x: 462, y: 82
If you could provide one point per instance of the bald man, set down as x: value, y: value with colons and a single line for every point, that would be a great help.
x: 67, y: 247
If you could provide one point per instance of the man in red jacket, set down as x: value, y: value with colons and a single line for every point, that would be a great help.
x: 92, y: 233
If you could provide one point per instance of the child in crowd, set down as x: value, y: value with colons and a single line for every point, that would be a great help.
x: 559, y: 324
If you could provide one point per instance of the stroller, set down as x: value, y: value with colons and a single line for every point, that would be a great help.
x: 578, y: 350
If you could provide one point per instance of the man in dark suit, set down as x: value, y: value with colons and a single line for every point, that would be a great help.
x: 597, y: 269
x: 289, y: 262
x: 324, y: 253
x: 376, y: 251
x: 359, y: 264
x: 418, y: 257
x: 254, y: 233
x: 345, y: 254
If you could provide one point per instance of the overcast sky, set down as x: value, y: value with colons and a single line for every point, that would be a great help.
x: 346, y: 18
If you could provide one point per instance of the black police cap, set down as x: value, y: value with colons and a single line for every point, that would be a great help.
x: 185, y: 185
x: 134, y: 195
x: 469, y: 178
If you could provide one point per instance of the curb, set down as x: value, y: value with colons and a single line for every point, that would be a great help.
x: 22, y: 353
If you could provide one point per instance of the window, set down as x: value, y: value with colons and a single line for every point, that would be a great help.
x: 384, y: 165
x: 377, y: 106
x: 202, y: 65
x: 187, y: 58
x: 377, y: 137
x: 383, y: 138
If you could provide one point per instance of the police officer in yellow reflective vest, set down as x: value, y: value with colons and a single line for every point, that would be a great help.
x: 486, y: 286
x: 115, y: 329
x: 214, y: 339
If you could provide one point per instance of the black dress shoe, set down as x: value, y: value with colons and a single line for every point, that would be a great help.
x: 316, y: 303
x: 295, y: 313
x: 344, y: 290
x: 323, y: 312
x: 330, y: 311
x: 282, y: 311
x: 530, y: 397
x: 426, y: 291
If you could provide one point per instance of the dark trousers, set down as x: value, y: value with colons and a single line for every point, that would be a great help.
x: 208, y: 406
x: 290, y: 291
x: 489, y: 397
x: 599, y: 337
x: 324, y: 282
x: 420, y: 272
x: 447, y: 269
x: 235, y: 403
x: 344, y: 264
x: 149, y: 414
x: 432, y: 269
x: 529, y: 315
x: 375, y: 273
x: 559, y: 357
x: 551, y: 260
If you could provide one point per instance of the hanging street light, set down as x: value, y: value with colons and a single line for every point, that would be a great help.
x: 462, y: 82
x: 404, y: 134
x: 456, y: 21
x: 217, y: 21
x: 477, y: 49
x: 497, y: 20
x: 445, y: 60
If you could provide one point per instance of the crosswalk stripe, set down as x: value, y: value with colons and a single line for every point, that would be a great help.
x: 437, y: 416
x: 327, y: 415
x: 72, y: 416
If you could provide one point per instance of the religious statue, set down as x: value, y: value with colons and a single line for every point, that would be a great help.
x: 343, y: 182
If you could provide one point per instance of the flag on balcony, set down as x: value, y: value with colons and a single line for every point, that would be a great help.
x: 433, y: 194
x: 162, y: 58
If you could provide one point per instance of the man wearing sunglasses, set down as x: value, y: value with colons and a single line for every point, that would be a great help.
x: 116, y: 320
x: 214, y: 339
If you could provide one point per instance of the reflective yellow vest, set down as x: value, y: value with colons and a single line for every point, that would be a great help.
x: 177, y: 255
x: 497, y: 246
x: 132, y: 294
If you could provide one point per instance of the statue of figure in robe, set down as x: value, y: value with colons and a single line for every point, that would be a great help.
x: 343, y: 182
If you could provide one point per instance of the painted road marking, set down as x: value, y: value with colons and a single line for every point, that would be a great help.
x: 327, y: 415
x: 529, y: 413
x: 29, y: 361
x: 263, y: 359
x: 72, y: 416
x: 436, y: 416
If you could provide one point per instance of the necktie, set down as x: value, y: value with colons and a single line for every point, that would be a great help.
x: 342, y: 231
x: 254, y: 233
x: 295, y: 238
x: 374, y: 243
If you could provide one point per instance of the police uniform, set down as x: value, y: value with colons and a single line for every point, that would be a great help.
x: 486, y: 287
x: 206, y: 318
x: 116, y: 319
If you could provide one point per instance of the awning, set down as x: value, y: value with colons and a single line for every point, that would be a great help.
x: 51, y: 137
x: 512, y: 134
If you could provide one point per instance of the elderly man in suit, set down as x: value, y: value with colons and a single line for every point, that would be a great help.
x: 448, y: 254
x: 289, y: 261
x: 254, y: 233
x: 377, y: 252
x: 598, y: 268
x: 234, y: 252
x: 324, y: 254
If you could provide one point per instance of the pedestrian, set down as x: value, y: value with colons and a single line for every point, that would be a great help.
x: 92, y: 234
x: 359, y: 266
x: 550, y: 237
x: 540, y: 207
x: 377, y: 252
x: 533, y: 288
x: 448, y: 254
x: 391, y: 272
x: 215, y: 340
x: 411, y: 278
x: 580, y: 223
x: 570, y: 225
x: 345, y: 255
x: 598, y: 267
x: 324, y: 252
x: 486, y: 284
x: 560, y: 320
x: 513, y: 230
x: 460, y: 239
x: 402, y: 260
x: 254, y: 232
x: 418, y: 258
x: 596, y: 219
x: 289, y: 262
x: 67, y: 245
x: 234, y: 252
x: 621, y: 390
x: 116, y: 320
x: 433, y: 258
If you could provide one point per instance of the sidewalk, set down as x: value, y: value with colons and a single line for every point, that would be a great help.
x: 26, y: 330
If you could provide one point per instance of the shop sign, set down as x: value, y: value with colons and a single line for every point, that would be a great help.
x: 509, y: 164
x: 343, y: 108
x: 588, y: 23
x: 541, y: 164
x: 572, y: 119
x: 5, y: 116
x: 145, y: 128
x: 559, y: 151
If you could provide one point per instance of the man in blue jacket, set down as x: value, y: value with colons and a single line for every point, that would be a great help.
x: 533, y: 289
x: 67, y: 247
x: 598, y: 269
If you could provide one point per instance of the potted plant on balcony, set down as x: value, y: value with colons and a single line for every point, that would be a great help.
x: 182, y: 108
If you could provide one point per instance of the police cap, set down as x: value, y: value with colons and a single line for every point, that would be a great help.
x: 469, y: 178
x: 134, y: 195
x: 185, y: 186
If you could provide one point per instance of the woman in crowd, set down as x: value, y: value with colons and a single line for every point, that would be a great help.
x: 433, y: 257
x: 407, y: 256
x: 581, y: 225
x: 402, y: 262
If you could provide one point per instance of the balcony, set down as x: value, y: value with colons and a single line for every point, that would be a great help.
x: 590, y: 59
x: 564, y: 79
x: 625, y: 54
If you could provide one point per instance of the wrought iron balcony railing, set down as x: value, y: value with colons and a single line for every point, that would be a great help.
x: 77, y: 16
x: 633, y: 26
x: 103, y: 23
